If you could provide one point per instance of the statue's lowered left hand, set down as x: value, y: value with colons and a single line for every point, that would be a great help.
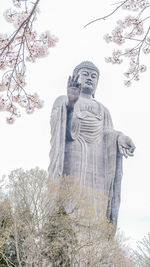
x: 126, y: 146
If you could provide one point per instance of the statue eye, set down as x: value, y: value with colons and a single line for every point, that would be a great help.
x: 94, y: 76
x: 85, y: 73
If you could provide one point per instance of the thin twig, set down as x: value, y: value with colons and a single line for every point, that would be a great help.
x: 110, y: 14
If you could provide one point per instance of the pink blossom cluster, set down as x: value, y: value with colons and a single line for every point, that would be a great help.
x: 38, y: 48
x: 115, y: 59
x: 16, y: 18
x: 135, y: 5
x: 29, y: 102
x: 131, y: 28
x: 17, y: 3
x: 25, y: 44
x: 128, y: 28
x: 133, y: 73
x: 146, y: 47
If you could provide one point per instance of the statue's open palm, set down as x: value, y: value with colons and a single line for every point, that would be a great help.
x: 73, y: 90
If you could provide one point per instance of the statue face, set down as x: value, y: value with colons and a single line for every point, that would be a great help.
x: 88, y: 79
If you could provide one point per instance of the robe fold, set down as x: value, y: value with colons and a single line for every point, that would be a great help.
x: 88, y: 151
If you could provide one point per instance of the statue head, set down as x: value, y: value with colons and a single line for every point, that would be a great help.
x: 85, y: 64
x: 88, y: 76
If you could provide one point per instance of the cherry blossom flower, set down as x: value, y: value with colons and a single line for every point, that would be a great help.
x: 143, y: 68
x: 49, y: 39
x: 29, y: 110
x: 10, y: 120
x: 2, y: 64
x: 127, y: 83
x: 2, y: 103
x: 17, y: 114
x: 127, y: 74
x: 39, y: 104
x: 146, y: 50
x: 130, y: 52
x: 11, y: 59
x: 30, y: 58
x: 128, y: 20
x: 38, y: 50
x: 19, y: 18
x: 11, y: 108
x: 121, y: 24
x: 8, y: 15
x: 107, y: 38
x: 108, y: 59
x: 17, y: 3
x: 23, y: 101
x: 148, y: 39
x: 136, y: 78
x: 31, y: 35
x: 2, y: 87
x: 16, y: 98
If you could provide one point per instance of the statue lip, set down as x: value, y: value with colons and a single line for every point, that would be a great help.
x: 89, y: 83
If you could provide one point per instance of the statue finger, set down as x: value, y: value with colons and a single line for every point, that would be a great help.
x: 121, y: 150
x: 69, y: 81
x: 76, y: 78
x: 131, y: 149
x: 125, y: 152
x: 75, y: 82
x: 79, y: 86
x: 129, y: 153
x: 132, y: 145
x: 72, y: 82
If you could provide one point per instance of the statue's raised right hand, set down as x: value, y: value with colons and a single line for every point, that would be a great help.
x: 73, y: 90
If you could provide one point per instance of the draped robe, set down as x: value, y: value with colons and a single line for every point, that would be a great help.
x: 87, y: 150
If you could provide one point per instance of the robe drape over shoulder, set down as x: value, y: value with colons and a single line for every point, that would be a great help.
x: 88, y: 151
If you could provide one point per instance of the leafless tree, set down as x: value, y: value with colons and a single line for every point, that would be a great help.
x: 143, y: 252
x: 55, y: 224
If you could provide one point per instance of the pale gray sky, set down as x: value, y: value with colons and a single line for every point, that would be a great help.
x: 26, y: 143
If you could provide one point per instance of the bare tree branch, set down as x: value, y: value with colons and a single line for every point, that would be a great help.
x: 109, y: 15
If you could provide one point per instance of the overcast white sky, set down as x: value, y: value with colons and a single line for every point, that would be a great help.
x: 26, y: 143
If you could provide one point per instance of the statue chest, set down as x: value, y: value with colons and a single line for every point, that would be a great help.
x: 88, y: 108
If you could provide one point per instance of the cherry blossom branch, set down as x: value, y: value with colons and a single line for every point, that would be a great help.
x: 129, y: 29
x: 138, y: 57
x: 21, y: 46
x: 26, y: 21
x: 140, y: 13
x: 127, y: 38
